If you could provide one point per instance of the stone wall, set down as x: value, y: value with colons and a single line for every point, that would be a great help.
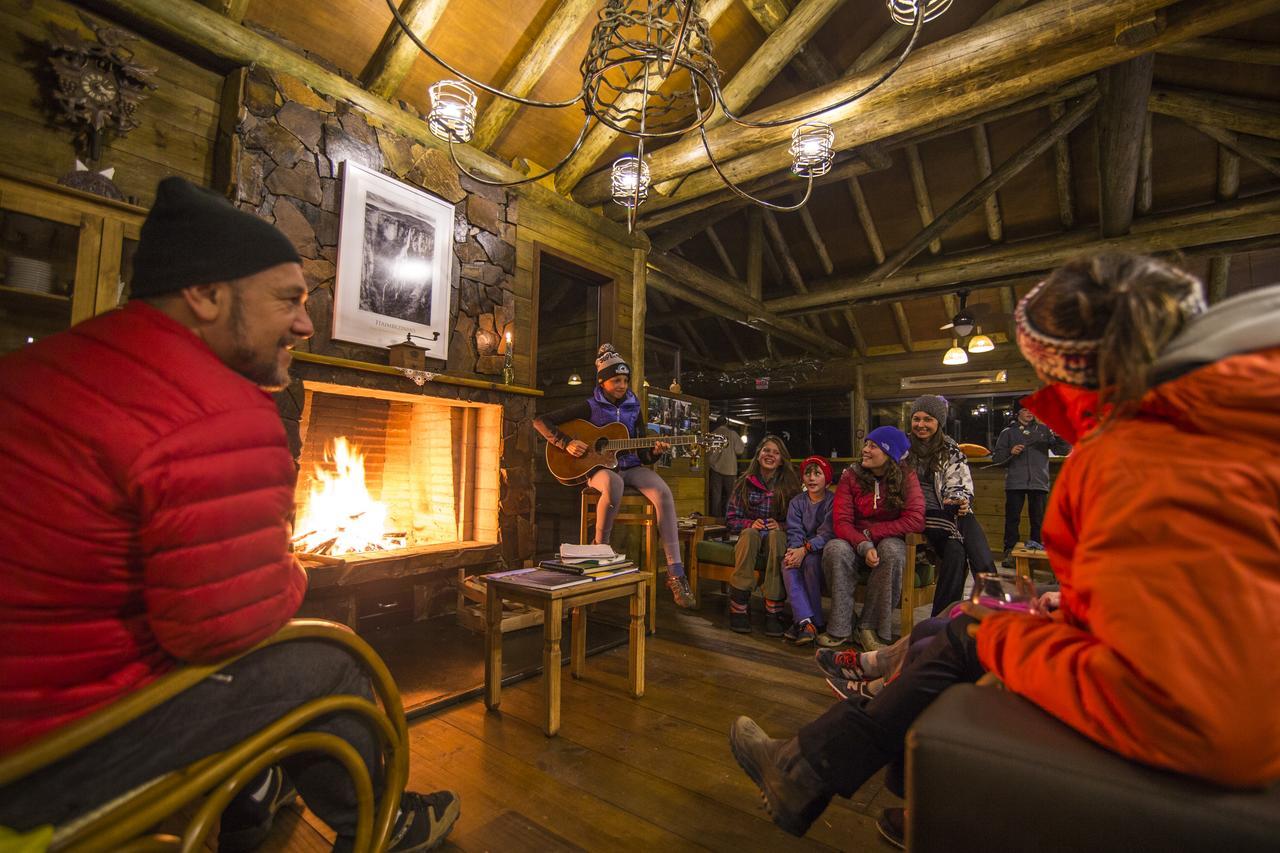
x: 290, y: 142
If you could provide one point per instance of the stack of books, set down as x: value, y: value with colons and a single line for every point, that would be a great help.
x: 573, y: 565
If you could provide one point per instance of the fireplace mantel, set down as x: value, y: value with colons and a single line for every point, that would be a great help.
x: 370, y: 367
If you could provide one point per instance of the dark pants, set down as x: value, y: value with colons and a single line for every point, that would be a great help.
x: 1013, y: 498
x: 953, y: 557
x: 212, y: 716
x: 855, y: 738
x: 719, y: 488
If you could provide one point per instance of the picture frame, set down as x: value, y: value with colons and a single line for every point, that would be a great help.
x: 395, y: 263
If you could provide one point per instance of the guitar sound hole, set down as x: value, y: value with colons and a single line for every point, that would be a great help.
x: 598, y: 447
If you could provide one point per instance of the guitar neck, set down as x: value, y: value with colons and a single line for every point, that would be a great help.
x: 637, y: 443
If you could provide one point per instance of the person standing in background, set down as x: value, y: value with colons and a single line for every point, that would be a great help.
x: 1024, y: 449
x: 723, y: 462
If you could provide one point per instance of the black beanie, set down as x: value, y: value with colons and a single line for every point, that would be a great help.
x: 195, y: 236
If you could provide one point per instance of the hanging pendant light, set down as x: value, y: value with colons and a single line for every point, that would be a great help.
x: 955, y: 355
x: 575, y: 379
x: 629, y: 180
x: 812, y: 149
x: 453, y: 111
x: 904, y: 11
x: 980, y: 342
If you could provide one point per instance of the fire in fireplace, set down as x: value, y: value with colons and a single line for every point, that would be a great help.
x: 384, y: 470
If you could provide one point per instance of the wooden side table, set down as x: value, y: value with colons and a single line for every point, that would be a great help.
x: 553, y: 603
x: 1022, y: 558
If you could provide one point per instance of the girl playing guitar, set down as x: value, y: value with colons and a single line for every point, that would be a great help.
x: 613, y: 402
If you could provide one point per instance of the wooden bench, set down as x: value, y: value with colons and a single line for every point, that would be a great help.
x: 1022, y: 559
x: 553, y: 603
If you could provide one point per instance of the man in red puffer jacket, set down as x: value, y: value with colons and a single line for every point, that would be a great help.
x: 147, y: 495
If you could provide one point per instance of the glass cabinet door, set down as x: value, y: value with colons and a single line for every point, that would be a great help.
x: 38, y: 264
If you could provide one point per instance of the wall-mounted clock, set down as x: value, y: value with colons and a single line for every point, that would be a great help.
x: 97, y: 86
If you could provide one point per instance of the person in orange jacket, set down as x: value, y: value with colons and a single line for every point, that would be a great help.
x: 1163, y: 529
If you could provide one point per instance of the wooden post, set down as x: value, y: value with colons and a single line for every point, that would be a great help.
x: 755, y: 252
x: 1126, y: 89
x: 982, y: 152
x: 1228, y: 188
x: 858, y: 401
x: 1143, y: 202
x: 924, y: 205
x: 1062, y: 170
x: 864, y: 217
x: 639, y: 307
x: 396, y: 53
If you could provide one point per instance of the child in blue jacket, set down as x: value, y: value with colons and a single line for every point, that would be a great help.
x: 808, y: 529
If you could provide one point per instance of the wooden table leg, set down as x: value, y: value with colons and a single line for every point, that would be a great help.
x: 578, y: 651
x: 553, y: 613
x: 635, y: 657
x: 1022, y: 567
x: 492, y: 647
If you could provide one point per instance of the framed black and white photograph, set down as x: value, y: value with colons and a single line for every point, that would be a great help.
x: 395, y: 252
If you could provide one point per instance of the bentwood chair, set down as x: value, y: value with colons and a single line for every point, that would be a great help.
x: 127, y: 823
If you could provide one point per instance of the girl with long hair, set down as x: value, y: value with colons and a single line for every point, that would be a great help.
x: 877, y: 505
x: 1163, y: 530
x: 757, y: 513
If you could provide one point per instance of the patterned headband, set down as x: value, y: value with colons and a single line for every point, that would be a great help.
x: 1075, y: 361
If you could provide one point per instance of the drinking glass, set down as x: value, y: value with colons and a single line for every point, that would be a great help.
x: 1001, y: 592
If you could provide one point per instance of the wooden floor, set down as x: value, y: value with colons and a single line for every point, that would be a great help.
x: 629, y: 774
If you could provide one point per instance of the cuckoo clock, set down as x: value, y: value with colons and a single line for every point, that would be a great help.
x: 97, y: 86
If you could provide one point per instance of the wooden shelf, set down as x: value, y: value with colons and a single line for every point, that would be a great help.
x: 30, y: 300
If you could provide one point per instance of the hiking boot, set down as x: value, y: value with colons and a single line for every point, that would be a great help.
x: 246, y: 821
x: 868, y: 640
x: 892, y: 824
x: 740, y: 622
x: 793, y: 793
x: 679, y: 586
x: 843, y: 666
x: 792, y: 633
x: 808, y: 633
x: 831, y: 641
x: 773, y: 625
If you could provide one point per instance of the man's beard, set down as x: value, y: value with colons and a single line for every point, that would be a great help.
x: 266, y: 373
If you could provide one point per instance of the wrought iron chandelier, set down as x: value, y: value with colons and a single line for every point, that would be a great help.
x: 649, y: 73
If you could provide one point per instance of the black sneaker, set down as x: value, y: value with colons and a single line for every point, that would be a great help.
x: 246, y: 821
x: 892, y: 824
x: 792, y: 633
x: 793, y: 793
x: 806, y: 635
x: 1006, y: 560
x: 740, y: 622
x: 850, y: 689
x: 425, y: 820
x: 773, y: 625
x: 842, y: 665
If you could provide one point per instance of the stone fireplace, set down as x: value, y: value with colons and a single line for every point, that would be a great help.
x: 381, y: 472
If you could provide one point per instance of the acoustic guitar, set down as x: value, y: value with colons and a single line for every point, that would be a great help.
x: 605, y: 443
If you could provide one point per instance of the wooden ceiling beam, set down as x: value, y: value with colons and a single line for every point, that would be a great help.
x: 1062, y: 171
x: 555, y: 34
x: 1227, y: 50
x: 1008, y: 305
x: 1256, y: 217
x: 211, y: 39
x: 1126, y: 89
x: 1228, y: 189
x: 971, y: 200
x: 677, y: 235
x: 815, y: 238
x: 755, y: 252
x: 396, y: 53
x: 982, y: 66
x: 900, y: 323
x: 683, y: 328
x: 232, y: 10
x: 790, y: 269
x: 869, y: 229
x: 722, y: 253
x: 1243, y: 115
x: 730, y: 335
x: 924, y: 204
x: 677, y: 277
x: 1241, y: 146
x: 1142, y: 204
x: 991, y: 208
x: 601, y: 137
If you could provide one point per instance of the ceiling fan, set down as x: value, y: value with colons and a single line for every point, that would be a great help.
x: 964, y: 324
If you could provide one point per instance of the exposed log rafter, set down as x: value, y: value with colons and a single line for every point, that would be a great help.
x: 396, y: 53
x: 1062, y: 171
x: 1126, y: 89
x: 900, y: 323
x: 1228, y: 189
x: 232, y: 10
x: 991, y: 208
x: 924, y: 204
x: 1242, y: 147
x: 560, y: 27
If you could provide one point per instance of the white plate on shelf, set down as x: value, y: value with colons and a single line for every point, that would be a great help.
x: 29, y: 274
